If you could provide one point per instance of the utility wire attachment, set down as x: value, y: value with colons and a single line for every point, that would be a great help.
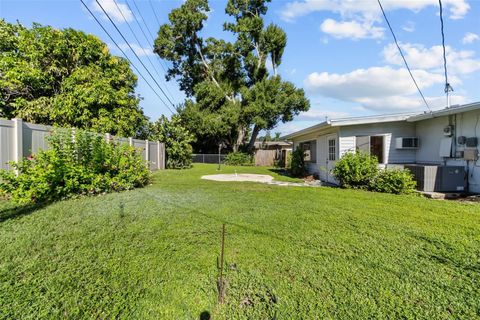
x: 403, y: 56
x: 448, y: 87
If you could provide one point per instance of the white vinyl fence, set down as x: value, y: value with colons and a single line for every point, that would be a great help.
x: 19, y: 139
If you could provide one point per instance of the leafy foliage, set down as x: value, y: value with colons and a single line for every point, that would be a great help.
x: 356, y: 170
x: 297, y: 163
x: 234, y: 95
x: 83, y: 165
x: 394, y: 181
x: 66, y: 78
x: 239, y: 159
x: 359, y: 170
x: 177, y: 141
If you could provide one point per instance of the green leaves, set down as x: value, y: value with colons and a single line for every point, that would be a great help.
x: 229, y: 83
x: 177, y: 141
x: 66, y: 78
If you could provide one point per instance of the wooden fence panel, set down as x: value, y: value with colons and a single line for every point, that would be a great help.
x: 265, y: 158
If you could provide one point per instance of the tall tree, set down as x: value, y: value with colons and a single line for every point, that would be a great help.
x: 66, y: 78
x: 228, y: 82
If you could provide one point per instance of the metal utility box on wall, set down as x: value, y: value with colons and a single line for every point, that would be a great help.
x: 432, y: 178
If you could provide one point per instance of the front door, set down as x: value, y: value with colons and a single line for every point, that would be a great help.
x: 332, y: 151
x: 327, y: 157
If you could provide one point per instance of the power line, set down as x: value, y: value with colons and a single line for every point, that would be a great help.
x: 125, y: 55
x: 136, y: 55
x: 154, y: 13
x: 403, y: 56
x: 448, y: 87
x: 140, y: 45
x: 152, y: 38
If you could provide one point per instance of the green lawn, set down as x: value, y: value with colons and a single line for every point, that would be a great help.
x: 291, y: 253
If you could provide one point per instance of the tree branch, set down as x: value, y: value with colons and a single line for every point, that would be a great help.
x: 209, y: 71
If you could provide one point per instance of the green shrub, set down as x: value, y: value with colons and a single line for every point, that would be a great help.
x: 85, y: 165
x: 394, y: 181
x: 356, y: 170
x: 177, y: 141
x: 239, y: 159
x: 297, y: 163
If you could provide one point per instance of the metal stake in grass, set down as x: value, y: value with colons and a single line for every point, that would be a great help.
x: 221, y: 282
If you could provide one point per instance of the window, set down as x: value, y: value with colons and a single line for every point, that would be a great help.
x: 372, y: 145
x: 309, y: 148
x: 332, y: 149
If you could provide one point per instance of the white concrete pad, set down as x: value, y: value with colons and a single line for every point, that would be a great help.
x: 265, y: 178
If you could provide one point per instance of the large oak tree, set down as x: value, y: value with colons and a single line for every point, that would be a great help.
x: 232, y: 93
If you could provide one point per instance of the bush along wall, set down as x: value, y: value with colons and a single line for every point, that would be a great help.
x: 80, y: 164
x: 358, y: 170
x: 239, y: 159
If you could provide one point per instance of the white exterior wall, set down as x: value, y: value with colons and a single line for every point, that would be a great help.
x: 314, y: 167
x: 390, y: 131
x: 430, y: 132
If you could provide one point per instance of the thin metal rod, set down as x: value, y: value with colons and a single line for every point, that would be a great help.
x: 221, y: 289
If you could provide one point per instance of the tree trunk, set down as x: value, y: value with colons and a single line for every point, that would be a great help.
x: 255, y: 132
x: 240, y: 138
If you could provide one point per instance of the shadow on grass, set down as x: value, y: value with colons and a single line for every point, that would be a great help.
x: 19, y: 211
x: 281, y: 172
x: 205, y: 315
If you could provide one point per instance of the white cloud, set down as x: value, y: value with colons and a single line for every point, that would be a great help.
x: 368, y: 9
x: 141, y: 52
x: 377, y: 88
x: 320, y: 115
x: 351, y: 29
x: 375, y: 81
x: 111, y: 8
x: 409, y: 26
x: 408, y: 103
x: 419, y: 56
x: 470, y: 37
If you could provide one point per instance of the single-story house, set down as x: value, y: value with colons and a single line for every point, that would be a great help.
x: 445, y: 141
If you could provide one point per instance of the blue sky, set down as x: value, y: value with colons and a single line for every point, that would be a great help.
x: 340, y: 52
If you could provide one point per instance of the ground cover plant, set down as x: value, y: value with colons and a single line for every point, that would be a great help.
x: 290, y: 253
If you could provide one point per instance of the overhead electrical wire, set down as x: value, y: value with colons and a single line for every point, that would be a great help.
x: 152, y: 38
x: 125, y: 55
x: 403, y: 56
x: 136, y: 55
x: 448, y: 87
x: 154, y: 12
x: 140, y: 44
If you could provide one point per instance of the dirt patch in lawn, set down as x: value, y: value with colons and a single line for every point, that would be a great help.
x: 265, y: 178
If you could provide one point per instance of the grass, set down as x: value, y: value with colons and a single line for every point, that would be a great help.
x: 291, y: 253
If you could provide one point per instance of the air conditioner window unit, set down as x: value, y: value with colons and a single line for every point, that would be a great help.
x: 407, y: 143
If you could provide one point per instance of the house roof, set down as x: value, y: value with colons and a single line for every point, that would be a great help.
x: 455, y: 109
x: 410, y: 117
x: 258, y: 144
x: 350, y: 122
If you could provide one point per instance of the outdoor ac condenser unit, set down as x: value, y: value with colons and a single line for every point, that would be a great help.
x: 407, y: 143
x: 432, y: 178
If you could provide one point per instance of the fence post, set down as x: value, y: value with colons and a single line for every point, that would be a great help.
x: 17, y: 140
x: 108, y: 137
x: 147, y: 152
x: 158, y: 156
x: 130, y: 141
